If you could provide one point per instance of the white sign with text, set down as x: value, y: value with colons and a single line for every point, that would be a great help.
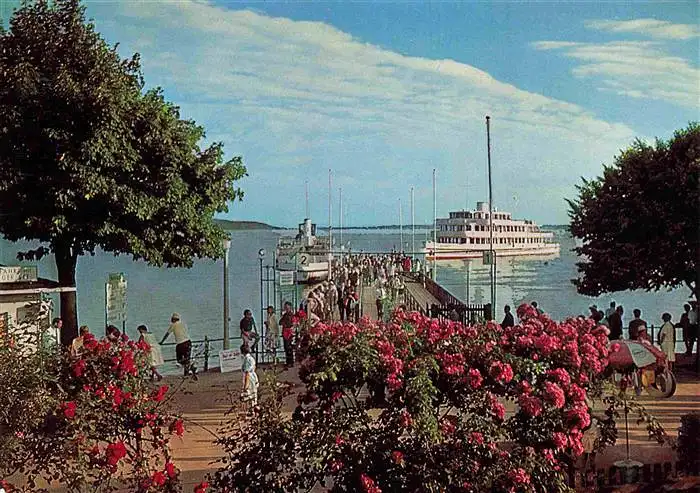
x: 230, y: 360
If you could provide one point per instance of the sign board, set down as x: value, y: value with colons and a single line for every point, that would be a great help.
x: 286, y: 278
x: 19, y: 274
x: 230, y: 360
x: 489, y: 257
x: 115, y: 299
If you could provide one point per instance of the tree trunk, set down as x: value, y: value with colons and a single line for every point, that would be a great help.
x: 65, y: 263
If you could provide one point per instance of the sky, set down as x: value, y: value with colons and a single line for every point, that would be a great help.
x: 382, y: 93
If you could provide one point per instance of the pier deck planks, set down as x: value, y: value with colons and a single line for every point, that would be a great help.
x: 420, y: 294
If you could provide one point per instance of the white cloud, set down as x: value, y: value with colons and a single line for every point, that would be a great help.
x: 296, y: 98
x: 639, y: 69
x: 648, y: 27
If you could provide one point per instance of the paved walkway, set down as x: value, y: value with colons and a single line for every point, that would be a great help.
x: 204, y: 404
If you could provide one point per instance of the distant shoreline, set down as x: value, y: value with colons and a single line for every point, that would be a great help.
x: 231, y: 225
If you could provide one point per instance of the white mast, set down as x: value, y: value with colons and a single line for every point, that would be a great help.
x: 400, y: 227
x: 492, y: 267
x: 330, y: 224
x: 340, y: 213
x: 306, y: 187
x: 413, y: 226
x: 434, y: 225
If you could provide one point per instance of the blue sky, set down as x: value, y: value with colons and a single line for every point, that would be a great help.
x: 382, y: 92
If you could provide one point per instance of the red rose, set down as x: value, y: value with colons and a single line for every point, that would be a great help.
x: 158, y: 478
x: 170, y: 469
x: 68, y: 409
x: 115, y: 452
x: 177, y: 427
x: 79, y: 368
x: 201, y: 487
x: 554, y: 395
x: 397, y: 457
x: 287, y: 333
x: 160, y: 393
x: 530, y: 405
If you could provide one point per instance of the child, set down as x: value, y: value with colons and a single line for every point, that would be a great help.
x: 249, y: 393
x: 155, y: 357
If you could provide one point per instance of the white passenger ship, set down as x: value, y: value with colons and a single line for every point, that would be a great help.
x: 466, y: 235
x: 305, y: 254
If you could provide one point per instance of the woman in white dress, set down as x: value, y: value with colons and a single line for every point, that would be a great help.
x: 155, y: 356
x: 667, y: 339
x: 249, y: 393
x: 272, y: 331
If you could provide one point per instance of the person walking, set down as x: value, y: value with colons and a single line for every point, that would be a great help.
x: 287, y: 323
x: 155, y: 356
x: 508, y: 320
x: 667, y: 340
x: 183, y: 344
x: 341, y: 301
x: 249, y: 391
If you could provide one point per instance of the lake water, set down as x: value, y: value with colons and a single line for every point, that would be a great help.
x: 196, y: 293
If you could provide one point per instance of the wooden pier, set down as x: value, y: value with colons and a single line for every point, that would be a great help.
x: 424, y: 295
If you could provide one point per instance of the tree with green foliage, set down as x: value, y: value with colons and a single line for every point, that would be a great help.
x: 640, y: 222
x: 91, y: 159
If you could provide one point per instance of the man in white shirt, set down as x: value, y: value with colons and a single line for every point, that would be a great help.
x: 183, y: 347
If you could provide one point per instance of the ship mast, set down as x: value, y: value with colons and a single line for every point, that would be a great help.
x: 400, y: 227
x: 434, y: 226
x: 492, y: 266
x: 330, y: 225
x: 413, y: 227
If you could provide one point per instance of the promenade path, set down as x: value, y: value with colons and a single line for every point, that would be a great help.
x: 204, y: 403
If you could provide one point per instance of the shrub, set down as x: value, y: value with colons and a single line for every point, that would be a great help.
x: 443, y: 424
x: 89, y: 421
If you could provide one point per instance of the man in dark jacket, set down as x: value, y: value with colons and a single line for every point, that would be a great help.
x: 615, y: 322
x: 508, y: 320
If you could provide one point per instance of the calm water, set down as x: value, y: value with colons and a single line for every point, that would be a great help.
x: 154, y: 293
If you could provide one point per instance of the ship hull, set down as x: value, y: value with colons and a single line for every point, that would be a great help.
x: 442, y: 253
x: 306, y: 274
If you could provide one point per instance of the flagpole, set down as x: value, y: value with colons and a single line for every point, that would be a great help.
x: 340, y: 213
x: 492, y: 267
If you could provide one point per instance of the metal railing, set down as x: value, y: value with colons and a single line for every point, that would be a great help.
x: 208, y: 348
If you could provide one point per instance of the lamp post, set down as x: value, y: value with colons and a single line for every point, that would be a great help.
x: 261, y: 256
x: 227, y: 246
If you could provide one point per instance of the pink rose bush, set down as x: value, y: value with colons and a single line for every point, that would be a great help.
x: 91, y: 421
x: 450, y: 408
